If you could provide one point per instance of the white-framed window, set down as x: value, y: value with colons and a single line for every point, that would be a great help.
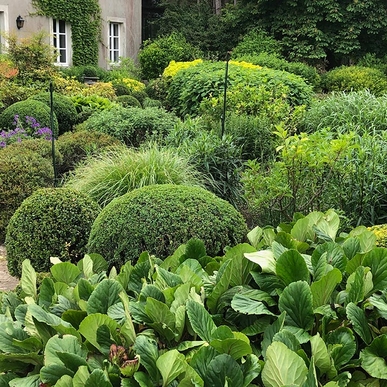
x: 60, y: 32
x: 115, y: 37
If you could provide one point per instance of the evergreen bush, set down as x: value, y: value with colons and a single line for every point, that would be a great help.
x: 355, y: 78
x: 28, y: 108
x: 64, y: 109
x: 76, y: 146
x: 159, y: 218
x: 128, y: 101
x: 132, y: 125
x: 52, y: 222
x: 155, y: 55
x: 22, y: 171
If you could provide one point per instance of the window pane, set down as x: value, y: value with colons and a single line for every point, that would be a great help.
x: 62, y: 57
x: 62, y: 26
x: 115, y: 45
x: 62, y: 41
x: 54, y: 26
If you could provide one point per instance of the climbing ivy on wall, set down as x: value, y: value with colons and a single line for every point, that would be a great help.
x: 84, y: 17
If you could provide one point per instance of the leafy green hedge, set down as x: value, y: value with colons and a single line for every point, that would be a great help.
x: 132, y: 125
x: 22, y: 171
x: 190, y: 86
x: 28, y: 108
x: 52, y: 222
x: 355, y: 78
x: 158, y: 218
x: 64, y: 109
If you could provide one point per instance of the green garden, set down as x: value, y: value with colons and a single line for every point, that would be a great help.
x: 193, y: 221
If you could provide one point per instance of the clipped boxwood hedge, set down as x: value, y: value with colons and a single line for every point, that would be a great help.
x: 22, y: 171
x: 132, y: 125
x: 159, y: 218
x: 64, y: 109
x: 28, y: 108
x: 52, y: 222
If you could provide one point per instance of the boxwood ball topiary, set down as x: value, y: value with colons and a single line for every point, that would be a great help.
x: 52, y: 222
x: 159, y: 218
x: 22, y: 171
x: 64, y: 108
x: 28, y: 108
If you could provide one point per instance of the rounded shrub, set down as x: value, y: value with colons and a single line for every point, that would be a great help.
x: 22, y: 171
x: 190, y: 86
x: 77, y: 146
x: 121, y: 170
x: 38, y: 110
x: 128, y: 101
x: 355, y: 78
x: 132, y: 125
x: 52, y: 222
x: 255, y: 42
x: 272, y: 61
x: 64, y: 108
x: 159, y: 218
x: 155, y: 55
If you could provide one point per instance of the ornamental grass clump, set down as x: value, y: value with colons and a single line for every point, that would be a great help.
x: 159, y: 218
x: 52, y: 222
x: 121, y: 170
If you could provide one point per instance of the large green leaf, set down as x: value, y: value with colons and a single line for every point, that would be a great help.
x: 64, y: 381
x: 201, y: 321
x: 376, y: 259
x: 202, y: 358
x: 65, y: 272
x: 98, y: 378
x: 254, y: 236
x: 80, y: 377
x: 62, y: 344
x: 221, y: 286
x: 288, y: 338
x: 162, y: 319
x: 373, y: 358
x: 47, y: 293
x: 351, y: 247
x: 359, y: 322
x: 265, y: 259
x: 341, y: 346
x: 236, y: 346
x: 320, y: 353
x: 296, y: 301
x: 28, y: 280
x: 166, y: 279
x: 171, y: 364
x: 104, y: 296
x: 52, y: 373
x: 358, y: 284
x: 148, y: 351
x: 250, y: 369
x: 283, y: 367
x: 270, y: 332
x: 52, y: 320
x: 26, y: 358
x: 241, y: 267
x: 90, y: 325
x: 222, y: 371
x: 28, y: 381
x: 323, y: 289
x: 291, y: 267
x: 246, y: 305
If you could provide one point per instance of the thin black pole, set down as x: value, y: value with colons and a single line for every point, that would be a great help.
x: 52, y: 131
x: 225, y: 95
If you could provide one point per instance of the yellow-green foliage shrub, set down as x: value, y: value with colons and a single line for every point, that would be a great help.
x: 355, y: 78
x: 380, y: 231
x: 173, y: 67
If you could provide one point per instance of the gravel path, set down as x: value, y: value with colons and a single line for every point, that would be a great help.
x: 6, y: 281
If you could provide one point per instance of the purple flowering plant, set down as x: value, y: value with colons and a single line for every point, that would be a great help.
x: 31, y: 129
